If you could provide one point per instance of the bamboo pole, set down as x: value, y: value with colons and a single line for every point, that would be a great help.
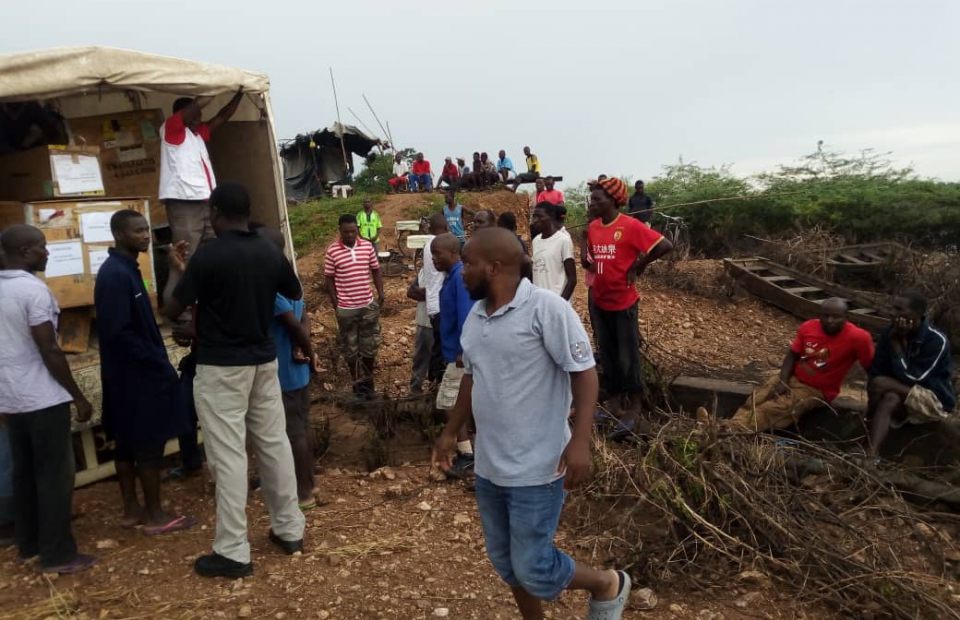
x: 336, y: 103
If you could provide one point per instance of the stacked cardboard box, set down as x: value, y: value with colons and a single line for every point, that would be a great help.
x: 129, y: 144
x: 78, y: 237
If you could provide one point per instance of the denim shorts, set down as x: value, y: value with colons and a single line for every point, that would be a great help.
x: 519, y: 524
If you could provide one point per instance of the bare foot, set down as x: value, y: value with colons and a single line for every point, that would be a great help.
x: 612, y: 588
x: 132, y: 517
x: 158, y: 519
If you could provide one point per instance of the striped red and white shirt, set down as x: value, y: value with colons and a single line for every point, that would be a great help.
x: 351, y: 269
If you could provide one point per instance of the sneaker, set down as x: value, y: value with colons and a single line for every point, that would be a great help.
x: 215, y: 565
x: 288, y: 546
x: 80, y: 563
x: 462, y: 466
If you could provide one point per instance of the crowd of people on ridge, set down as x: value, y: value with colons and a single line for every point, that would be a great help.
x: 513, y: 366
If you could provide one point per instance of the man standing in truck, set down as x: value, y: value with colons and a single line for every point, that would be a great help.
x: 186, y: 174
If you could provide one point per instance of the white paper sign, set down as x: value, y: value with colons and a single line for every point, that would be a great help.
x: 95, y: 226
x: 66, y: 259
x: 82, y: 176
x: 97, y: 258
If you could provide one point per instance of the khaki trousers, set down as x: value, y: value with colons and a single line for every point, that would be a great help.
x: 761, y: 414
x: 232, y: 400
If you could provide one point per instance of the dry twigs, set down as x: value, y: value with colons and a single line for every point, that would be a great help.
x: 700, y: 501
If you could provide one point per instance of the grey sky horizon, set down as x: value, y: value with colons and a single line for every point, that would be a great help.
x: 620, y: 88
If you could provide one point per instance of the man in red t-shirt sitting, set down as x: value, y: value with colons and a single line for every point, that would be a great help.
x: 449, y: 175
x: 822, y: 354
x: 420, y: 174
x: 621, y: 248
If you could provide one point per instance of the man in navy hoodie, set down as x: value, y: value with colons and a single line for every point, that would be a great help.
x: 910, y: 379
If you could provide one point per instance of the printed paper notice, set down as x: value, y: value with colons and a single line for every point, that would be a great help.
x: 95, y: 226
x: 66, y: 259
x: 77, y: 174
x: 97, y: 258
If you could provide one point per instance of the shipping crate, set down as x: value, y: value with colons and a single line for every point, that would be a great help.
x: 52, y: 171
x: 129, y: 145
x: 78, y: 236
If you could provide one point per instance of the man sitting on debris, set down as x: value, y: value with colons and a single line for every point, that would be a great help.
x: 450, y: 175
x: 400, y: 172
x: 490, y: 171
x: 812, y: 372
x: 421, y: 176
x: 910, y: 379
x: 462, y: 167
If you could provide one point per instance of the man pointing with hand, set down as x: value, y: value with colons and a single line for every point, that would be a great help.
x: 524, y: 353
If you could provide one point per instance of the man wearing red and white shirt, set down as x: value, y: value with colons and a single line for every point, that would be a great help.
x: 186, y: 175
x: 621, y: 248
x: 348, y: 265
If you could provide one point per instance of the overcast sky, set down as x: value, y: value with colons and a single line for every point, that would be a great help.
x: 616, y: 87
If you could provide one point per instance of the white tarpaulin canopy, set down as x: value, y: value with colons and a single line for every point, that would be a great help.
x: 63, y: 71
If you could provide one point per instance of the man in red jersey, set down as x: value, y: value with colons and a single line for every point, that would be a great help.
x: 812, y: 372
x: 621, y: 248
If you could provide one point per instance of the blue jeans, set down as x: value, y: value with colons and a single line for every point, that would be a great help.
x: 6, y: 477
x: 421, y: 179
x: 519, y: 524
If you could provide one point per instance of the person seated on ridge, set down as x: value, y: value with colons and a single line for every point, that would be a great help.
x: 450, y: 175
x: 812, y: 372
x: 421, y: 176
x: 400, y: 172
x: 533, y: 169
x: 910, y: 379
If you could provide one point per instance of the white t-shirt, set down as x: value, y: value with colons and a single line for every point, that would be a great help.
x: 432, y: 279
x: 25, y: 383
x: 548, y: 257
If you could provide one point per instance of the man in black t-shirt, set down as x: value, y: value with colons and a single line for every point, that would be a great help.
x: 233, y: 281
x: 641, y: 205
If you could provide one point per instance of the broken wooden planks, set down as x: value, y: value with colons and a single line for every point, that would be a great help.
x: 801, y: 294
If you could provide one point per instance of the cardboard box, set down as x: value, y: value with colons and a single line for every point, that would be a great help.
x: 51, y: 171
x: 129, y: 145
x: 78, y: 236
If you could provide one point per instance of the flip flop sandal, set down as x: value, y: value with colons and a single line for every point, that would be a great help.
x: 178, y: 524
x: 80, y: 563
x: 308, y: 506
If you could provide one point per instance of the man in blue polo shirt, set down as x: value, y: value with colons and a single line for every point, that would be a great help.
x: 455, y: 305
x: 525, y: 353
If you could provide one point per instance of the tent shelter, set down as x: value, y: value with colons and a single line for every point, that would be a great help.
x: 89, y: 81
x: 314, y: 161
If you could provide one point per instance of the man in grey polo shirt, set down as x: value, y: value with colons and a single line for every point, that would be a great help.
x: 524, y: 353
